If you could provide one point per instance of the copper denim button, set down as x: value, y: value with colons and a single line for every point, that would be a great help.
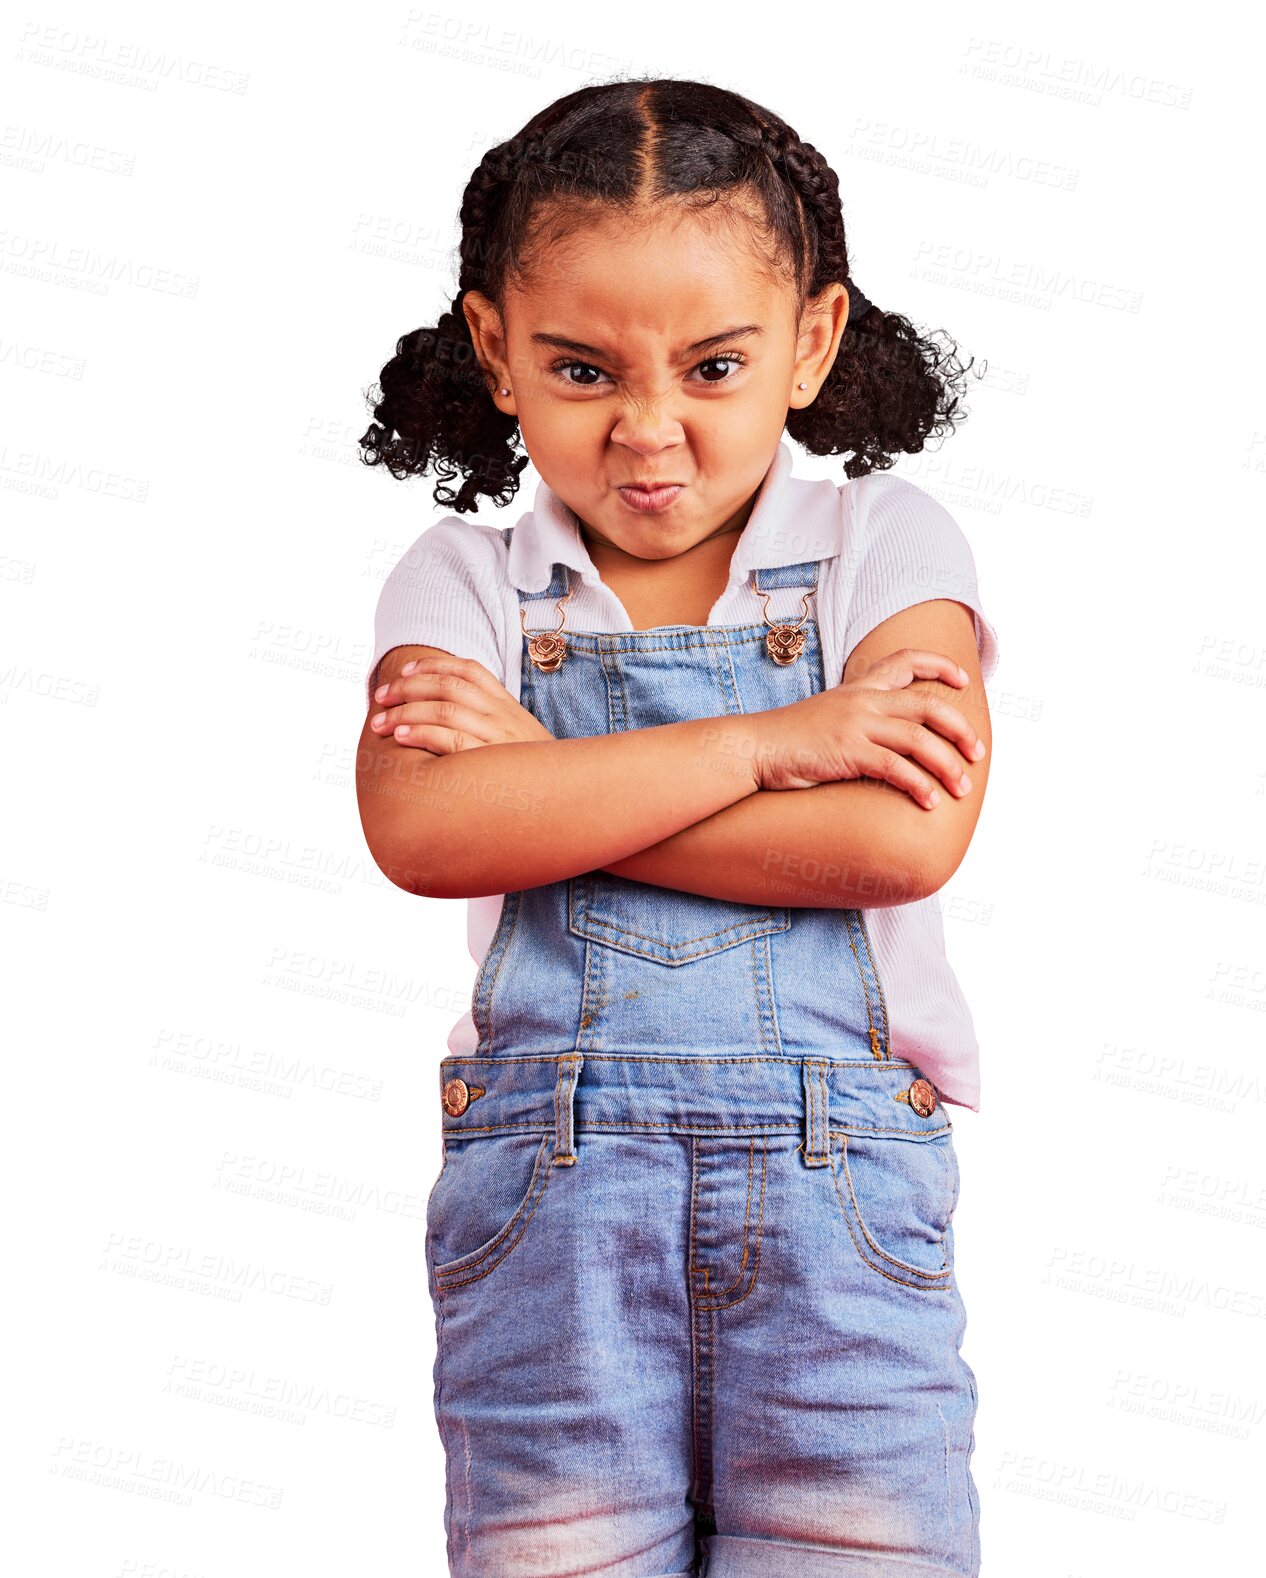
x: 456, y: 1097
x: 923, y: 1097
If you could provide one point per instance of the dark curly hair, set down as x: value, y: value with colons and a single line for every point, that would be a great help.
x: 619, y: 143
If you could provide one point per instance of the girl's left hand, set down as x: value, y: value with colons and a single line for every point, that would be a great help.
x: 446, y: 704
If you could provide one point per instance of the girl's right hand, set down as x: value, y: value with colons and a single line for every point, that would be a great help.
x: 872, y: 727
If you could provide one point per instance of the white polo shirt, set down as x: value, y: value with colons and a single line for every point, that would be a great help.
x: 888, y: 545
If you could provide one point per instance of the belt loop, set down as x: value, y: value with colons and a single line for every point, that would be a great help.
x: 569, y: 1068
x: 817, y: 1113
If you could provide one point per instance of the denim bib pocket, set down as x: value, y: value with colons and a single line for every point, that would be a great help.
x: 662, y: 924
x: 898, y: 1192
x: 482, y: 1204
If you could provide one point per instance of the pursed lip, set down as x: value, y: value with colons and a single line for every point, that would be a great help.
x: 650, y: 500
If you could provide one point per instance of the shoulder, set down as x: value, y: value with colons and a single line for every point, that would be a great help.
x: 450, y: 589
x: 897, y: 535
x: 458, y: 552
x: 880, y: 509
x: 901, y: 546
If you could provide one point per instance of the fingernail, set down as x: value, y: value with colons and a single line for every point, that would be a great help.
x: 410, y: 666
x: 962, y: 673
x: 964, y: 784
x: 380, y: 692
x: 979, y: 750
x: 377, y: 718
x: 402, y: 728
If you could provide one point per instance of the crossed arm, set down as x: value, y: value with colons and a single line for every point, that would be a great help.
x: 638, y: 805
x: 855, y: 844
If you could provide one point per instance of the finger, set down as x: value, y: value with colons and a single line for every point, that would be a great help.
x: 438, y: 690
x: 923, y: 707
x: 450, y: 674
x: 417, y: 722
x: 913, y: 741
x: 437, y: 687
x: 891, y: 767
x: 900, y: 668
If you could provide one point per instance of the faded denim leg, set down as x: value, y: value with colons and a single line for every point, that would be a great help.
x: 843, y: 1411
x: 563, y: 1390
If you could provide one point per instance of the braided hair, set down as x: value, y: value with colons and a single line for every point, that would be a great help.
x: 629, y: 142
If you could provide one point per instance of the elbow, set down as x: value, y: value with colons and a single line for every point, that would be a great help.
x: 923, y: 883
x: 942, y: 837
x: 398, y: 838
x: 935, y: 866
x: 420, y: 866
x: 408, y: 876
x: 415, y: 868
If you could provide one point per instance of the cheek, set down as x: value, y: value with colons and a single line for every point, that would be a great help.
x: 561, y: 436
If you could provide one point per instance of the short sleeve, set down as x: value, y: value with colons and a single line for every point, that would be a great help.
x: 445, y: 591
x: 909, y: 549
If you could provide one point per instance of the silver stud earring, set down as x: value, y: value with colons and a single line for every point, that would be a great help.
x: 804, y: 386
x: 506, y: 391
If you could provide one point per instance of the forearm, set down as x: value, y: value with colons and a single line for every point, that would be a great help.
x: 849, y: 845
x: 501, y: 817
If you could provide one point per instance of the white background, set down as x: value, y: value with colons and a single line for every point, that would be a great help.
x: 223, y: 1024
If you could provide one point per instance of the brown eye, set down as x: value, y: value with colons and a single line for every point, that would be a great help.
x: 718, y: 361
x: 561, y: 369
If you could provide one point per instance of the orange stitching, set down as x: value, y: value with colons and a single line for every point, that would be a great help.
x: 747, y: 1223
x: 571, y: 1114
x: 496, y: 973
x: 738, y: 1131
x: 850, y: 923
x: 462, y: 1262
x: 558, y: 1118
x: 696, y: 1171
x: 590, y: 1009
x: 745, y: 935
x: 878, y: 1128
x: 557, y: 1087
x: 935, y: 1278
x: 694, y: 1313
x: 769, y: 1001
x: 759, y: 1230
x: 879, y: 985
x: 690, y: 1060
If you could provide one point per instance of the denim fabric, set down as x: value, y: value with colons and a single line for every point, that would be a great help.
x: 691, y: 1248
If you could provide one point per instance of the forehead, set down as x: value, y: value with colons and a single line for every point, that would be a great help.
x: 650, y: 273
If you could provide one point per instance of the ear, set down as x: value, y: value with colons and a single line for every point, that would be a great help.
x: 487, y: 334
x: 821, y: 328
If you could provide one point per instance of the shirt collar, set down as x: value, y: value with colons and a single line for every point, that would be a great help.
x: 794, y: 520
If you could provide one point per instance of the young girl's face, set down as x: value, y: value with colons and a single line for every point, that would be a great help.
x: 657, y: 352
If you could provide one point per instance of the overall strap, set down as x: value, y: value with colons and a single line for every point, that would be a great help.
x: 773, y: 578
x: 556, y: 588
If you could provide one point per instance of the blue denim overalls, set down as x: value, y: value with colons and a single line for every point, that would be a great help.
x: 691, y: 1246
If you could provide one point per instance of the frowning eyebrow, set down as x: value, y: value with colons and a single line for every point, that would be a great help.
x: 579, y: 348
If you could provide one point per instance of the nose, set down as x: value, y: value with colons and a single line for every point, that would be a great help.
x: 647, y: 427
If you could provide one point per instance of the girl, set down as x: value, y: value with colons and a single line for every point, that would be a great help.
x: 693, y: 738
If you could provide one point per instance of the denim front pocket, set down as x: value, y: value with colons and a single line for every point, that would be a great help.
x: 898, y: 1193
x: 663, y: 924
x: 482, y: 1204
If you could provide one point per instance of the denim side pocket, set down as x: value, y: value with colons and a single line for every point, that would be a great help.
x: 482, y: 1204
x: 898, y: 1194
